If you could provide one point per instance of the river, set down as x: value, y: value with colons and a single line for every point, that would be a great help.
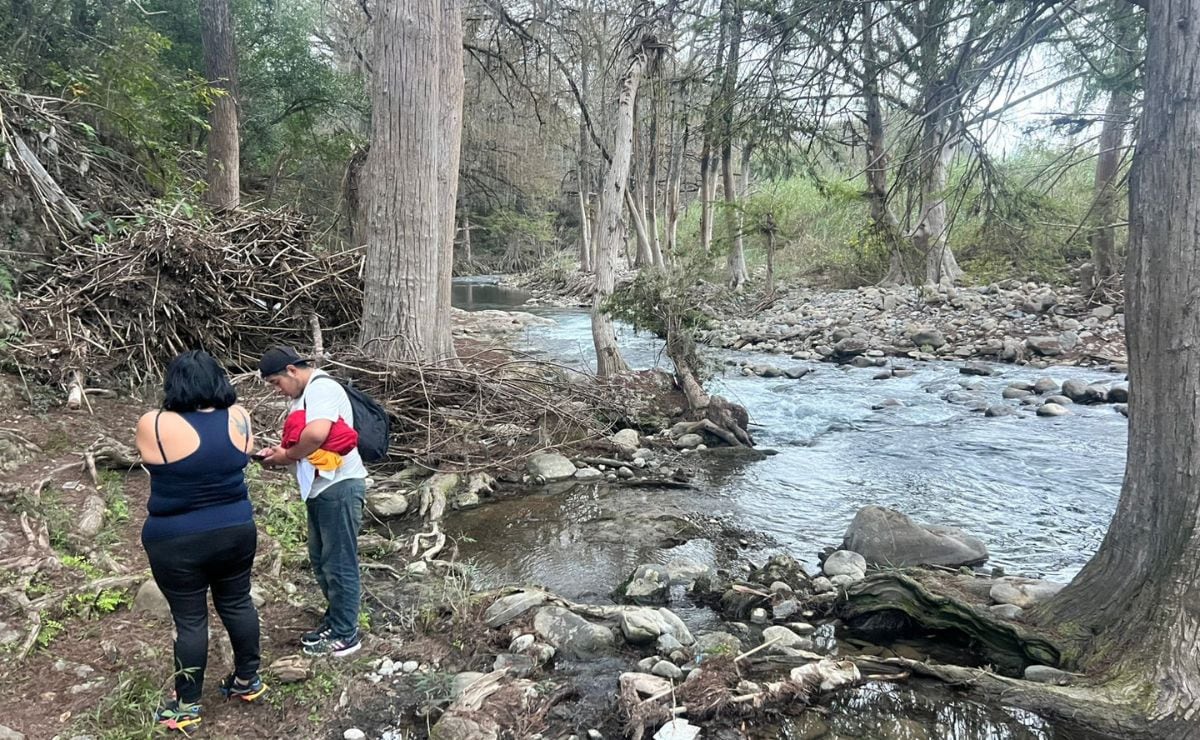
x: 1038, y: 491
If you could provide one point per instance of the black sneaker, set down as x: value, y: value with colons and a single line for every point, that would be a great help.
x: 338, y: 648
x: 315, y: 637
x: 231, y: 688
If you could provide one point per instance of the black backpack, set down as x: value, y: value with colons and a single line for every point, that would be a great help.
x: 370, y: 421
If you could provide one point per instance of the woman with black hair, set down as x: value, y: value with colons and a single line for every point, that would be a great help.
x: 200, y: 532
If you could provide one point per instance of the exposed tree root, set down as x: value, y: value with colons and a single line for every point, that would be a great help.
x: 883, y: 597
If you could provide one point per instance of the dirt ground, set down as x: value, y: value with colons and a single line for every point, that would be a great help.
x: 97, y: 668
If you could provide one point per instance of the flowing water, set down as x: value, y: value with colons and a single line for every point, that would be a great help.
x: 1038, y: 491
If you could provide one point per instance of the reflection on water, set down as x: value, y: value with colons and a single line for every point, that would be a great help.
x: 881, y: 711
x: 480, y: 293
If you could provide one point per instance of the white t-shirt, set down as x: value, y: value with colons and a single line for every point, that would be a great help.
x: 325, y: 399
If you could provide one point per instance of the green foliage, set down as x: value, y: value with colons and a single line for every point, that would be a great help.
x: 126, y: 712
x: 280, y: 512
x: 50, y: 629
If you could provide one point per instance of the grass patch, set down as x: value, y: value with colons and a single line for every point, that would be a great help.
x: 281, y: 513
x: 126, y: 712
x: 315, y: 694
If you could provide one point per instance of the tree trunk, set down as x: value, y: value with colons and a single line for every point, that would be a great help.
x: 585, y: 232
x: 1108, y: 165
x: 610, y: 234
x: 883, y: 221
x: 466, y: 240
x: 712, y: 118
x: 770, y: 234
x: 707, y: 188
x: 674, y: 178
x: 1112, y: 148
x: 644, y: 255
x: 408, y: 185
x: 583, y: 171
x: 737, y: 255
x: 1134, y: 605
x: 937, y: 149
x: 220, y: 67
x: 650, y: 191
x: 452, y: 84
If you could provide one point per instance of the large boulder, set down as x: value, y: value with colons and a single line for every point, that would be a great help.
x: 850, y: 347
x: 550, y: 466
x: 887, y: 537
x: 574, y: 636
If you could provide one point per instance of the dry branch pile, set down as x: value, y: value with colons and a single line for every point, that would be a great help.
x: 53, y: 153
x: 483, y: 415
x: 123, y: 306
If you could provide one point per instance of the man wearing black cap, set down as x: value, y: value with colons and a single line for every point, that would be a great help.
x: 333, y: 498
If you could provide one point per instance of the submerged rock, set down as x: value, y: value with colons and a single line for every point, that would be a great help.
x: 887, y: 537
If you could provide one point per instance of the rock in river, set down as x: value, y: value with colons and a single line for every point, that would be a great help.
x: 573, y: 635
x: 551, y: 466
x: 887, y: 537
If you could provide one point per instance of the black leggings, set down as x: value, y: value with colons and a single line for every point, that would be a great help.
x: 184, y: 568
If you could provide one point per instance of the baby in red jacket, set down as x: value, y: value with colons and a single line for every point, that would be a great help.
x: 341, y: 440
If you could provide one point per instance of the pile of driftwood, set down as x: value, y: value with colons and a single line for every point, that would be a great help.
x: 122, y: 305
x: 480, y: 414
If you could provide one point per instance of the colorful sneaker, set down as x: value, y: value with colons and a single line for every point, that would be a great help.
x: 315, y: 637
x: 179, y: 717
x: 337, y: 648
x: 231, y: 688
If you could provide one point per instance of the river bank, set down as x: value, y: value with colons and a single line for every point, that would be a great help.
x: 581, y: 538
x: 1024, y: 323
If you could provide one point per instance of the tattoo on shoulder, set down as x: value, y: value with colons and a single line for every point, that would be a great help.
x: 242, y: 422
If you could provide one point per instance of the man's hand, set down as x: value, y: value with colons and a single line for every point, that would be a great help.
x: 273, y: 457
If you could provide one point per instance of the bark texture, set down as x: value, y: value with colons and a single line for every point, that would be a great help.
x: 1136, y: 604
x: 411, y: 181
x: 1112, y: 149
x: 883, y: 221
x: 610, y: 231
x: 220, y: 67
x: 733, y: 226
x: 938, y: 141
